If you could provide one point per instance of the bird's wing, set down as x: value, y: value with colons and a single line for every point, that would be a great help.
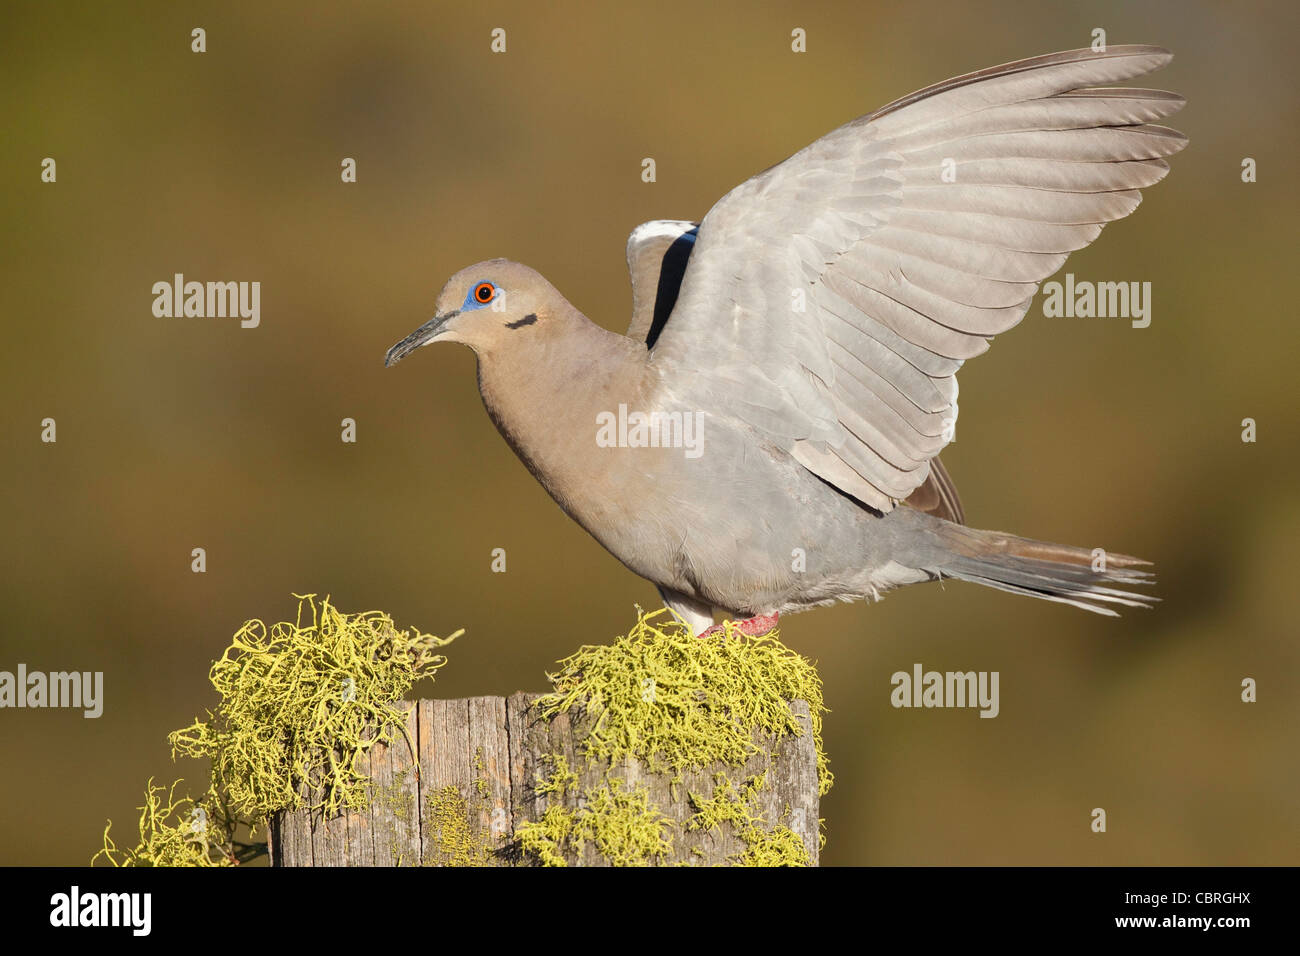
x: 656, y: 259
x: 831, y: 299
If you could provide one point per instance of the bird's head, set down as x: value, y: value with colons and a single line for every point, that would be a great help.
x: 487, y: 306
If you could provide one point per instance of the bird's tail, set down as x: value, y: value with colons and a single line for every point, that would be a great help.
x: 1053, y: 572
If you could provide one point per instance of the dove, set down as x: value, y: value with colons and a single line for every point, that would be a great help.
x: 765, y: 437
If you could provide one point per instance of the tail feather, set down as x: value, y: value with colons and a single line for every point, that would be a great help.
x: 1053, y: 572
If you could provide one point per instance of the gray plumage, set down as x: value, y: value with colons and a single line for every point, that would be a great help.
x: 813, y: 323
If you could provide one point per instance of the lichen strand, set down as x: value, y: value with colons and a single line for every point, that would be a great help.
x: 300, y: 703
x: 676, y: 702
x: 625, y: 828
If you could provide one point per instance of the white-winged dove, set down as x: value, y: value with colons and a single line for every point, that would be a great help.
x: 765, y: 437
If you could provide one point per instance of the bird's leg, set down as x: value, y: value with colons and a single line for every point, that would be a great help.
x: 755, y: 626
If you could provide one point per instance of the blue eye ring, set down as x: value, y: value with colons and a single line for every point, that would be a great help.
x: 483, y: 293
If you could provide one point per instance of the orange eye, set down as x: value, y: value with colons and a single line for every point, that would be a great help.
x: 484, y: 291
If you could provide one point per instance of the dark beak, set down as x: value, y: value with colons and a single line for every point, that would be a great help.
x: 421, y: 336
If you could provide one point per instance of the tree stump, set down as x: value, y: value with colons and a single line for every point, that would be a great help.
x: 472, y: 781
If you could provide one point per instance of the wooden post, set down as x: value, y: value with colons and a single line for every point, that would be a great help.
x: 460, y: 797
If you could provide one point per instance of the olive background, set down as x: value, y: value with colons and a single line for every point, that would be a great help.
x: 183, y: 433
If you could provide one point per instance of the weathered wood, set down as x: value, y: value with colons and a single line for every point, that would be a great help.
x: 489, y: 746
x: 459, y: 797
x: 395, y: 797
x: 290, y: 840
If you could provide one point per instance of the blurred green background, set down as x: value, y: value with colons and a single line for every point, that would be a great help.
x: 183, y: 433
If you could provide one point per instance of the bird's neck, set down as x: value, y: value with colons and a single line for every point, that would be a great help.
x: 544, y: 395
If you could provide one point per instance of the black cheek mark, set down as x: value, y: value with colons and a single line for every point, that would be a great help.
x: 528, y: 319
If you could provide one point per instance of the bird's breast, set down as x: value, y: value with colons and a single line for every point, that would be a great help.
x: 683, y: 496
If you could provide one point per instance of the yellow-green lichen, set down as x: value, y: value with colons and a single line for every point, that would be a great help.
x: 301, y: 702
x: 778, y: 846
x: 625, y: 829
x: 175, y: 831
x: 480, y: 778
x: 675, y: 703
x: 562, y: 780
x: 454, y: 839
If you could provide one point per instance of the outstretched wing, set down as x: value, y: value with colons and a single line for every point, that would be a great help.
x: 831, y: 300
x: 656, y: 259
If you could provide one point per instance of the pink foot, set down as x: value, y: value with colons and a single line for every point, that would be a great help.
x: 754, y: 626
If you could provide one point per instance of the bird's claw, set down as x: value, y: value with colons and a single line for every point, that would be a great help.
x: 755, y: 626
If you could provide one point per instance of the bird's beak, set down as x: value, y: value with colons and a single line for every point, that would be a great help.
x: 422, y: 336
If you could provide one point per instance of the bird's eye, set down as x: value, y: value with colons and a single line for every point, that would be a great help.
x: 484, y: 291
